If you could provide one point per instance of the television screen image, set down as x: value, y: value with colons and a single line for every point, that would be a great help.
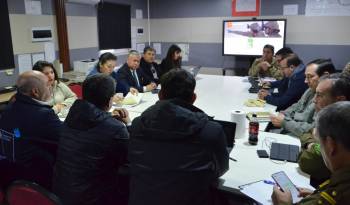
x: 248, y: 37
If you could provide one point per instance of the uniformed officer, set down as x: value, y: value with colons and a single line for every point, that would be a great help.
x: 331, y: 89
x: 266, y: 66
x: 335, y: 149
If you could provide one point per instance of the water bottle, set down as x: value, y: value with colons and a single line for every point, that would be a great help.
x: 253, y: 130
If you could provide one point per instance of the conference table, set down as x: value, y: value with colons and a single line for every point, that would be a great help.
x: 218, y: 96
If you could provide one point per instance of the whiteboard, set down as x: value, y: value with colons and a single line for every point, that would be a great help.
x: 327, y: 8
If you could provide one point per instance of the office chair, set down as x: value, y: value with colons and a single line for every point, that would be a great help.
x: 29, y: 193
x: 77, y: 89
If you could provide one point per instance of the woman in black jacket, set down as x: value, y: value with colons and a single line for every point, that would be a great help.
x: 172, y: 59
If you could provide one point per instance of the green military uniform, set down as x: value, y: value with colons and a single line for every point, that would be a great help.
x: 336, y: 190
x: 299, y: 117
x: 347, y: 69
x: 310, y: 160
x: 273, y: 70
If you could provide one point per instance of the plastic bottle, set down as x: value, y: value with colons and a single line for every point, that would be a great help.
x: 253, y: 130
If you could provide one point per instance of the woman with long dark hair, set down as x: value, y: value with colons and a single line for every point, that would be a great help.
x: 172, y: 59
x: 62, y: 96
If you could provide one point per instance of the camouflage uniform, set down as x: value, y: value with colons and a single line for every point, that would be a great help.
x: 299, y: 117
x: 273, y: 70
x: 310, y: 160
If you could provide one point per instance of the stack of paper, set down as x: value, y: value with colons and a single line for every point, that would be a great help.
x: 255, y: 103
x: 132, y: 99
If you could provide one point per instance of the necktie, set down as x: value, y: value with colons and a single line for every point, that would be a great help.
x: 136, y: 78
x: 154, y: 72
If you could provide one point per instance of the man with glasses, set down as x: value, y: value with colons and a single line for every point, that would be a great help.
x: 299, y: 118
x: 290, y: 88
x: 334, y: 147
x: 331, y: 89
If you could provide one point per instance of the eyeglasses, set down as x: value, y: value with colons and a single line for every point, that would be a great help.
x: 284, y: 67
x: 309, y: 77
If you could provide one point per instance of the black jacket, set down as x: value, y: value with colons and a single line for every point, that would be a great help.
x: 125, y: 80
x: 166, y: 65
x: 290, y: 90
x: 175, y: 154
x: 36, y: 122
x: 146, y: 69
x: 92, y: 147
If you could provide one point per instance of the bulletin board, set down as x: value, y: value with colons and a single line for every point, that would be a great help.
x: 245, y: 7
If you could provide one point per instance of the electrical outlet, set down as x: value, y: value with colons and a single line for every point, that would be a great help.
x: 9, y: 72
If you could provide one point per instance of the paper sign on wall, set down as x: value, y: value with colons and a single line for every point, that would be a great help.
x: 139, y: 14
x: 140, y: 47
x: 38, y: 57
x: 24, y: 63
x: 290, y: 9
x: 50, y: 52
x: 32, y: 7
x: 185, y: 51
x: 158, y: 48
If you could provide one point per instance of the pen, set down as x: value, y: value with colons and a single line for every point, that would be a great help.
x: 269, y: 182
x: 235, y: 160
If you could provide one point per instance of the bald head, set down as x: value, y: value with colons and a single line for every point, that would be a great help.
x: 34, y: 84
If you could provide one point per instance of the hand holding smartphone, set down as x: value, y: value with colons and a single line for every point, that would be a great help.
x: 283, y: 181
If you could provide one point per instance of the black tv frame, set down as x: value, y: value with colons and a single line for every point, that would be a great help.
x: 254, y: 19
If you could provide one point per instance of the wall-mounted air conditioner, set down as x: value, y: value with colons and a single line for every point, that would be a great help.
x: 41, y: 34
x: 91, y: 2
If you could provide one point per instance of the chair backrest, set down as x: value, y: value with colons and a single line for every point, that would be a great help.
x: 7, y: 146
x: 77, y: 89
x: 28, y: 193
x: 2, y: 196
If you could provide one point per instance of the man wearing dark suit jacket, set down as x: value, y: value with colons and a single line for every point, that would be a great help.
x: 290, y: 88
x: 148, y: 66
x: 130, y: 77
x: 34, y: 120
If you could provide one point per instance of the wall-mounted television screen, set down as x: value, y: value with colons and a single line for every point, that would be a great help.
x: 248, y: 37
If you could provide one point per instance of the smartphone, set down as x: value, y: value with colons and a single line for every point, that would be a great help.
x: 155, y: 91
x: 285, y: 183
x: 262, y: 153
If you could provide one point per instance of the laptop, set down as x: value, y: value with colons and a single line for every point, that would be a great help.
x: 229, y: 130
x: 193, y: 70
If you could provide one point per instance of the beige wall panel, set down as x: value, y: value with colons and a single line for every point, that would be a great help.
x: 21, y: 32
x: 300, y: 30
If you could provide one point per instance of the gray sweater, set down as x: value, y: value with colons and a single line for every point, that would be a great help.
x: 299, y: 117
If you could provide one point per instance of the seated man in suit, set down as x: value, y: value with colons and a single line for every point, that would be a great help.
x: 176, y: 153
x: 290, y: 88
x: 266, y: 66
x: 299, y: 117
x: 148, y: 66
x: 129, y: 76
x: 332, y: 132
x: 282, y: 53
x: 36, y: 122
x: 93, y: 146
